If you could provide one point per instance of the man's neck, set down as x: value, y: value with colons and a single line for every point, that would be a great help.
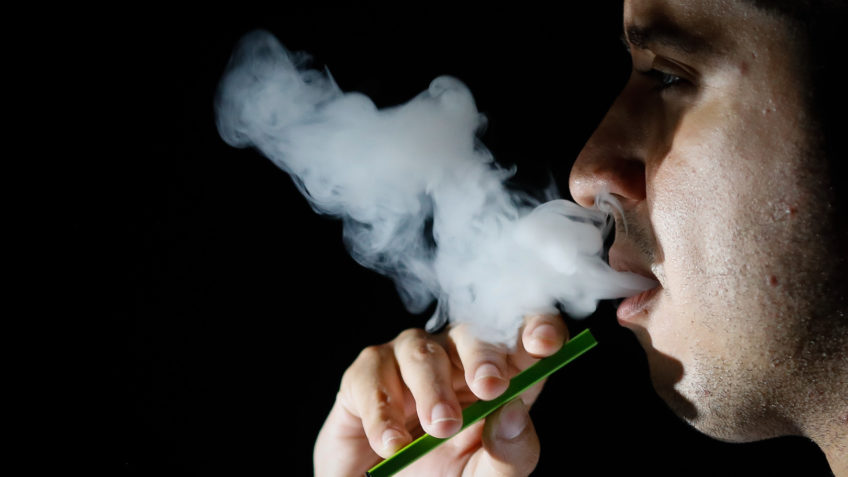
x: 821, y: 401
x: 827, y: 423
x: 837, y: 451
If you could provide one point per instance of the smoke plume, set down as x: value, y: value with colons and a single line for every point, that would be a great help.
x: 421, y: 198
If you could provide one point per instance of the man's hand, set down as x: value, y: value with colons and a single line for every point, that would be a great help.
x: 421, y: 381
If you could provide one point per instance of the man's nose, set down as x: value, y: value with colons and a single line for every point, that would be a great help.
x: 613, y: 160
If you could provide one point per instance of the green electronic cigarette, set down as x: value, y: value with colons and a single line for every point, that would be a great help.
x: 578, y: 345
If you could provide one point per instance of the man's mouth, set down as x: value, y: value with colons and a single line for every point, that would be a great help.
x: 636, y: 306
x: 624, y: 259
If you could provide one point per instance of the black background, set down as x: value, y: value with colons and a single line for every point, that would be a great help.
x: 232, y: 309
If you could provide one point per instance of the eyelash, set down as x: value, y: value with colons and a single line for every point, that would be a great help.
x: 662, y: 79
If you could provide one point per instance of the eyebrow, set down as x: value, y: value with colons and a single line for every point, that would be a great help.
x: 665, y: 34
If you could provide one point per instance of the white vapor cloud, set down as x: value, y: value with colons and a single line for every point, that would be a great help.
x: 421, y: 198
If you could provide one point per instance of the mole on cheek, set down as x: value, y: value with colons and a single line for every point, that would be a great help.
x: 772, y: 280
x: 783, y: 211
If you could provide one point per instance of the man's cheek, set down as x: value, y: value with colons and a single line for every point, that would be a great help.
x: 676, y: 196
x: 680, y: 239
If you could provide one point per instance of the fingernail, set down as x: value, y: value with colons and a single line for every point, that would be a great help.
x: 487, y: 370
x: 442, y: 412
x: 512, y: 420
x: 391, y: 440
x: 544, y: 334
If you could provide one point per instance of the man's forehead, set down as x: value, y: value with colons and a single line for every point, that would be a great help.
x: 668, y: 34
x: 681, y: 11
x: 692, y: 26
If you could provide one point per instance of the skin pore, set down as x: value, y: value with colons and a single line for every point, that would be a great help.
x: 726, y: 204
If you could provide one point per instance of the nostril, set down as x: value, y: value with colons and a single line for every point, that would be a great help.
x: 623, y: 178
x: 610, y: 203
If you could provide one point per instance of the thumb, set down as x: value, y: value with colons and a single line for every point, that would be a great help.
x: 510, y: 443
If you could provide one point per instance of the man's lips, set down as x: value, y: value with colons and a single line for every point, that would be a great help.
x: 636, y: 306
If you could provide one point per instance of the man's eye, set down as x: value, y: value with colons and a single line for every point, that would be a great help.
x: 662, y: 79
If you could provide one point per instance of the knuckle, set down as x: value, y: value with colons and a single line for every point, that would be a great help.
x: 345, y: 385
x: 371, y: 353
x: 382, y: 402
x: 423, y: 350
x: 418, y: 346
x: 411, y: 334
x: 365, y: 363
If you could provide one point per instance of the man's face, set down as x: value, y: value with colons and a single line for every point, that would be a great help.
x: 705, y: 149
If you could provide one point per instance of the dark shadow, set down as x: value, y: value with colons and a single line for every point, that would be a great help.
x: 665, y: 373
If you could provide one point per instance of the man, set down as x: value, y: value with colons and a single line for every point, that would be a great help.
x: 721, y: 149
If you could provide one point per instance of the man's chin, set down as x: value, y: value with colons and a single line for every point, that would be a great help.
x: 696, y: 403
x: 667, y: 372
x: 706, y: 417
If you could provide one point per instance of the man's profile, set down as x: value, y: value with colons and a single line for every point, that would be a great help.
x: 723, y: 150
